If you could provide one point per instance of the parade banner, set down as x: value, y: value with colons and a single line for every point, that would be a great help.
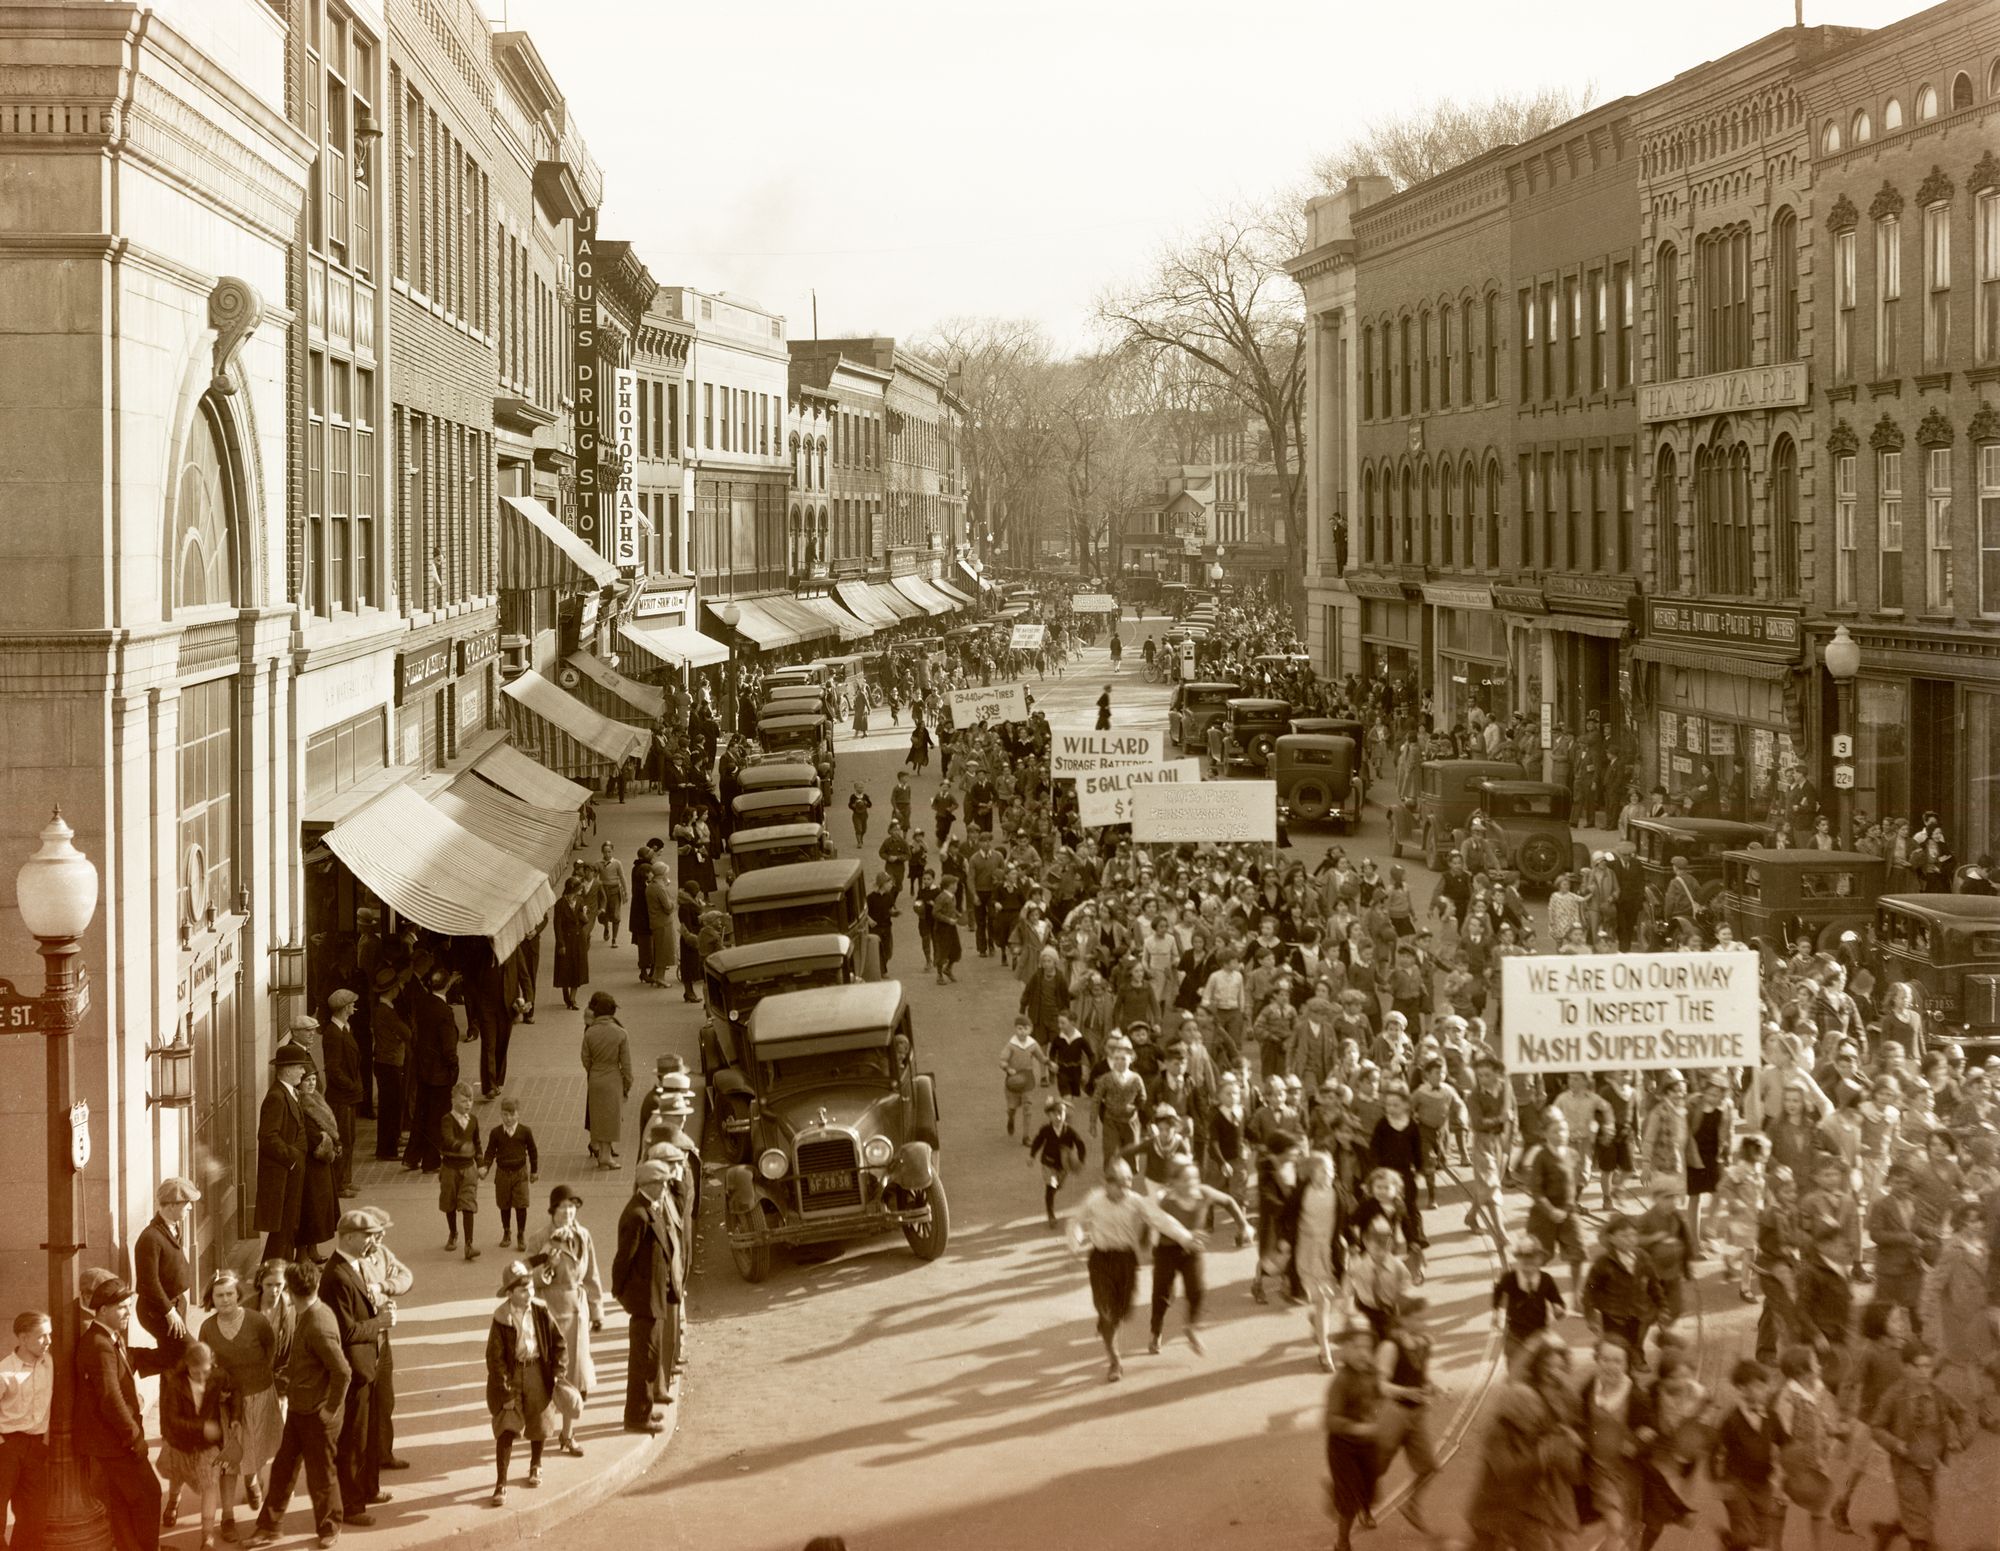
x: 1611, y: 1012
x: 1077, y: 751
x: 1214, y: 811
x: 1093, y: 603
x: 995, y: 703
x: 1028, y: 638
x: 1105, y: 796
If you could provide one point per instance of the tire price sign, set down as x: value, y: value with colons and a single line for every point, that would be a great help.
x: 1611, y: 1012
x: 993, y: 703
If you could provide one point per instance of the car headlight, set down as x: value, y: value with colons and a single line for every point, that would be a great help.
x: 877, y: 1150
x: 773, y: 1163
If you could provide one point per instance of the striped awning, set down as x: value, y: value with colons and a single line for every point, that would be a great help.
x: 564, y: 733
x: 439, y: 874
x: 607, y: 690
x: 892, y: 600
x: 541, y: 835
x: 754, y: 623
x: 922, y: 594
x: 537, y: 551
x: 952, y: 592
x: 515, y: 773
x: 845, y: 625
x: 806, y: 624
x: 671, y: 646
x: 860, y: 599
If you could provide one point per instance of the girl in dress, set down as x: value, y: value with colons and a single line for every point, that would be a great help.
x: 194, y: 1405
x: 1317, y: 1253
x: 1739, y: 1198
x: 566, y: 1258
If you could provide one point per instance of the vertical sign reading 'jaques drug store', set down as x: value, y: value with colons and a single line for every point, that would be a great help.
x: 588, y: 413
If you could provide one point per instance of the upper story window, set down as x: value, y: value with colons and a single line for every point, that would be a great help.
x: 1892, y: 114
x: 1527, y: 332
x: 1424, y: 361
x: 1492, y: 347
x: 1888, y: 291
x: 1667, y: 301
x: 1937, y: 283
x: 1861, y: 130
x: 1785, y: 287
x: 1368, y: 372
x: 1961, y: 91
x: 1722, y: 300
x: 1829, y: 138
x: 1927, y: 103
x: 1444, y: 356
x: 340, y: 92
x: 1986, y: 238
x: 1403, y: 366
x: 1843, y: 304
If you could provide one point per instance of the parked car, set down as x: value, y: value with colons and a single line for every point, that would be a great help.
x: 736, y: 980
x: 770, y: 772
x: 817, y: 674
x: 1251, y: 730
x: 808, y: 735
x: 1447, y: 797
x: 798, y: 900
x: 1319, y: 779
x: 1527, y: 823
x: 1332, y: 727
x: 780, y: 805
x: 1195, y: 705
x: 778, y: 845
x: 1949, y: 945
x: 843, y: 1138
x: 1657, y: 842
x: 793, y: 700
x: 1772, y: 898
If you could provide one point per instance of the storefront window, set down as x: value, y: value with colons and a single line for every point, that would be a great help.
x: 1982, y: 798
x: 1882, y: 747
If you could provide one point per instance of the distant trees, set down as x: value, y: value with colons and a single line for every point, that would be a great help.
x: 1439, y: 136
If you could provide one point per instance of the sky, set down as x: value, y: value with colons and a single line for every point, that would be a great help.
x: 912, y: 162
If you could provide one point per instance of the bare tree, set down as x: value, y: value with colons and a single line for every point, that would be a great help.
x: 1439, y: 136
x: 1002, y: 368
x: 1221, y: 299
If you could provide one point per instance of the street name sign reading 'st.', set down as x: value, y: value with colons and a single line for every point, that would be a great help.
x: 1076, y: 751
x: 1611, y: 1012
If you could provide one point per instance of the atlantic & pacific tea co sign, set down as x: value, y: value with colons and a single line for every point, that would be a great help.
x: 1724, y: 393
x: 1726, y: 624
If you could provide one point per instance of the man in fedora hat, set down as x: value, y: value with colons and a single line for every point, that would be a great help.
x: 387, y: 1278
x: 646, y: 1281
x: 364, y: 1315
x: 281, y: 1153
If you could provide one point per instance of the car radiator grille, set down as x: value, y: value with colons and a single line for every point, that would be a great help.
x: 829, y: 1175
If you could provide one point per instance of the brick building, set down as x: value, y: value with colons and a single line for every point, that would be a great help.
x: 1904, y: 256
x: 659, y: 358
x: 857, y: 484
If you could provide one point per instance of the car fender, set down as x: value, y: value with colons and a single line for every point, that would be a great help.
x: 915, y: 1167
x: 729, y: 1082
x: 741, y: 1184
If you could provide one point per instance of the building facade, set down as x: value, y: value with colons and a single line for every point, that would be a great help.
x: 857, y: 473
x: 1904, y: 255
x: 659, y: 362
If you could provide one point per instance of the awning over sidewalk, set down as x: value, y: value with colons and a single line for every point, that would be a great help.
x: 860, y: 598
x: 440, y: 874
x: 922, y: 594
x: 625, y: 695
x: 845, y: 625
x: 754, y: 624
x: 895, y: 602
x: 672, y: 646
x: 564, y: 733
x: 538, y: 551
x: 952, y: 592
x: 540, y: 836
x: 806, y: 624
x: 1711, y: 662
x: 515, y: 773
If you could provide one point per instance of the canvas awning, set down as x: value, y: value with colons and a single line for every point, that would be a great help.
x: 515, y: 773
x: 895, y: 602
x: 439, y: 874
x: 753, y: 623
x: 672, y: 646
x: 625, y: 694
x: 922, y: 594
x: 564, y: 733
x: 806, y: 624
x: 538, y: 551
x: 845, y: 625
x: 952, y: 592
x: 542, y: 836
x: 860, y: 598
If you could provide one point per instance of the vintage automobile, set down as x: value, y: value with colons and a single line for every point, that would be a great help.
x: 1251, y: 730
x: 809, y: 736
x: 804, y: 897
x: 1949, y: 946
x: 1772, y: 898
x: 843, y: 1138
x: 778, y: 845
x: 1446, y: 798
x: 1527, y: 823
x: 816, y: 674
x: 805, y: 699
x: 1318, y: 779
x: 769, y: 772
x: 1194, y: 706
x: 1656, y: 842
x: 779, y: 805
x: 1331, y: 727
x: 737, y: 979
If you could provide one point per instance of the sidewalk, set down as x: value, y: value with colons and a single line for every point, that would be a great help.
x: 442, y: 1425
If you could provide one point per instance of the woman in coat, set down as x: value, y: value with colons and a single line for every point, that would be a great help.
x: 321, y: 1209
x: 525, y: 1360
x: 607, y: 1071
x: 573, y: 926
x: 569, y: 1281
x: 1531, y: 1461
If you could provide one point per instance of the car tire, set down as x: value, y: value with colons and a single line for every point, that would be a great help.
x: 1259, y: 752
x: 1539, y: 858
x: 927, y: 1241
x: 753, y: 1264
x: 1311, y: 801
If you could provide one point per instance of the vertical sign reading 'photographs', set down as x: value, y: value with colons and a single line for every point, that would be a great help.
x: 624, y: 493
x: 588, y: 412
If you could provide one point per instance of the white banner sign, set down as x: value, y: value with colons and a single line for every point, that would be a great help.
x: 1105, y: 796
x: 1093, y: 603
x: 625, y: 439
x: 1028, y: 638
x: 1073, y: 752
x: 998, y: 703
x: 1607, y: 1012
x: 1215, y: 812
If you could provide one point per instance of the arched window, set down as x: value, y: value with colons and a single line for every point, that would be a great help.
x: 1961, y: 91
x: 1722, y: 517
x: 1368, y: 371
x: 1426, y: 546
x: 1424, y: 361
x: 1927, y: 103
x: 1860, y: 130
x: 1406, y: 550
x: 1667, y: 519
x: 1782, y: 503
x: 1993, y: 80
x: 1667, y: 300
x: 1368, y: 517
x: 1829, y: 140
x: 1892, y: 114
x: 1448, y: 514
x: 204, y: 557
x: 1492, y: 519
x: 1784, y: 299
x: 1444, y: 356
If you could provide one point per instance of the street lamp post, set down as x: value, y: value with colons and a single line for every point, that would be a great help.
x: 1843, y: 663
x: 56, y: 891
x: 1215, y: 572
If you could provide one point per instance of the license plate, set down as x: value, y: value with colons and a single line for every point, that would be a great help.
x: 833, y: 1180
